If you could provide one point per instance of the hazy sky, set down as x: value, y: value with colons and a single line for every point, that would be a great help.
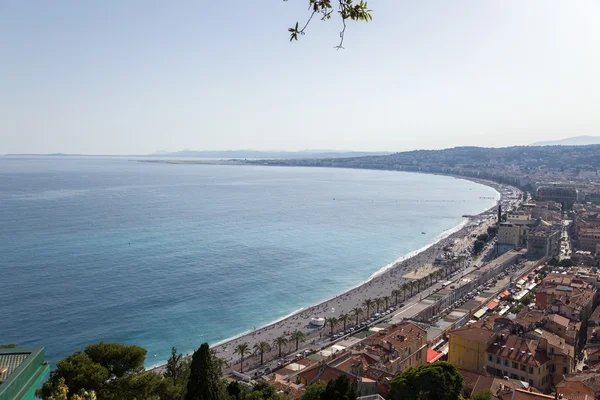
x: 133, y: 77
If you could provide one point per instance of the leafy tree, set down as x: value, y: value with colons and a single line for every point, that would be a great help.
x: 176, y: 375
x: 7, y: 346
x: 297, y: 336
x: 78, y: 371
x: 492, y: 231
x: 242, y: 349
x: 347, y: 10
x: 262, y: 348
x: 60, y: 392
x: 484, y: 237
x: 357, y: 311
x: 235, y: 391
x: 118, y: 359
x: 134, y: 386
x: 553, y: 262
x: 437, y: 381
x: 485, y: 395
x: 340, y: 389
x: 280, y: 341
x: 314, y: 391
x: 205, y: 375
x: 566, y: 262
x: 478, y: 246
x: 395, y: 294
x: 175, y: 365
x: 368, y: 303
x: 332, y: 321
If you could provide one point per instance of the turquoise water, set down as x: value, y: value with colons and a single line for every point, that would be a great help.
x: 164, y: 255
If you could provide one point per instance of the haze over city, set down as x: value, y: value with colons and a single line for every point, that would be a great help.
x: 111, y: 78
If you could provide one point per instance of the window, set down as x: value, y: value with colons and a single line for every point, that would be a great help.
x: 564, y: 370
x: 531, y: 370
x: 551, y: 350
x: 506, y: 362
x: 523, y: 367
x: 531, y: 382
x: 497, y: 360
x: 553, y: 368
x: 490, y: 358
x: 522, y: 379
x: 515, y: 365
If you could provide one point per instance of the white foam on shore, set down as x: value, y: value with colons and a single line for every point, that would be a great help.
x: 413, y: 253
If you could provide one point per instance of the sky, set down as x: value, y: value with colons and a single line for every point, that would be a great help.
x: 138, y: 76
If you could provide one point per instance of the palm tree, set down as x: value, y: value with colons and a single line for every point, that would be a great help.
x: 411, y: 285
x: 440, y: 274
x: 368, y: 303
x: 344, y: 318
x: 357, y: 311
x: 405, y: 286
x: 431, y: 277
x: 387, y: 300
x: 262, y: 348
x: 378, y: 302
x: 396, y: 293
x: 332, y: 321
x: 280, y: 341
x: 242, y: 349
x: 298, y: 336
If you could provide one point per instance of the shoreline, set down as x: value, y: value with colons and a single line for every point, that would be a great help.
x: 379, y: 284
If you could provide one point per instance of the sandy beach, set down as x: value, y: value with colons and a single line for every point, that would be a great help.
x: 378, y: 286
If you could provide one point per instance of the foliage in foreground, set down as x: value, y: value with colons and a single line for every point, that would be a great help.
x: 112, y: 371
x: 437, y: 381
x: 353, y: 10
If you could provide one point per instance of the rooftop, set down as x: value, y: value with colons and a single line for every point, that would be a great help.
x: 21, y: 370
x: 590, y: 379
x: 524, y: 351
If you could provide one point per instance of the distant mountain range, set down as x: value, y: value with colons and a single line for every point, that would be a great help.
x: 243, y: 154
x: 231, y: 154
x: 572, y: 141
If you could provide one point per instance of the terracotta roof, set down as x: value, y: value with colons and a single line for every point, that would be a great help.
x: 554, y: 341
x: 403, y: 336
x: 524, y: 351
x: 560, y: 320
x: 377, y: 374
x: 356, y: 360
x: 590, y: 379
x: 323, y: 373
x: 495, y: 384
x: 469, y: 380
x: 520, y: 394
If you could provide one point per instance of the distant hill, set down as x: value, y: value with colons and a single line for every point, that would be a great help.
x: 572, y: 141
x: 259, y: 154
x: 231, y: 154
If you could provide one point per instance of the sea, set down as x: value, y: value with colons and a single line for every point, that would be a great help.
x: 161, y: 255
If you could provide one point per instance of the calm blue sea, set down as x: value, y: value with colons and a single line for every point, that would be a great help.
x: 166, y: 255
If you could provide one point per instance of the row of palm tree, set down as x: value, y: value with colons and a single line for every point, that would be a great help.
x: 297, y: 336
x: 243, y: 349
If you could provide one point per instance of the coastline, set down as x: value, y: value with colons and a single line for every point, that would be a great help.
x: 379, y: 284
